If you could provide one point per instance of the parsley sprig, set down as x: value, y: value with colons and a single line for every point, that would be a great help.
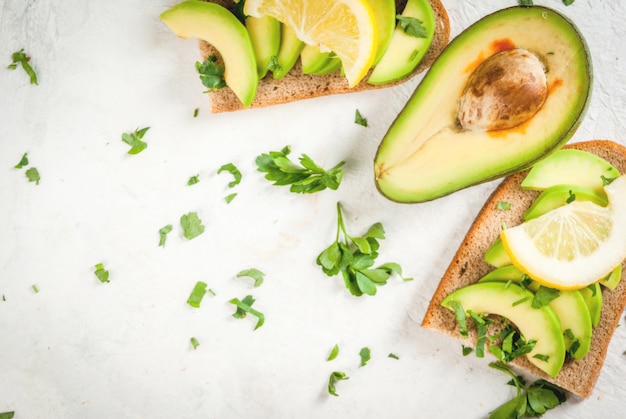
x: 354, y: 257
x: 306, y: 177
x: 135, y: 140
x: 21, y: 58
x: 533, y: 400
x: 211, y: 73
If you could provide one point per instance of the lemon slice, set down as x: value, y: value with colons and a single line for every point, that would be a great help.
x: 574, y: 245
x: 346, y: 27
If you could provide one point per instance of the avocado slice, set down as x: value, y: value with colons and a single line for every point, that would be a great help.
x: 514, y: 303
x: 219, y: 27
x: 426, y: 154
x: 290, y: 48
x: 265, y: 36
x: 613, y: 278
x: 496, y: 255
x: 559, y: 195
x: 593, y: 297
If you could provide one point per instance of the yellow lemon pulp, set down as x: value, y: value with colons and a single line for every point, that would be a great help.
x: 346, y: 27
x: 572, y: 246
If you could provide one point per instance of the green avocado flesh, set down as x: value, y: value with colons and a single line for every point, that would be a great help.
x: 216, y: 25
x: 514, y: 303
x: 426, y: 154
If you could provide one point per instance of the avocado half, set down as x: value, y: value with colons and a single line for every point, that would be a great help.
x: 426, y: 154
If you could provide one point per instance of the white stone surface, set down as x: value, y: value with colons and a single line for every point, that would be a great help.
x: 82, y: 349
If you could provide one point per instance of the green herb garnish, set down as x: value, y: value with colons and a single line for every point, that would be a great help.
x: 163, y: 232
x: 333, y: 353
x: 191, y: 225
x: 359, y: 120
x: 503, y: 206
x: 273, y: 65
x: 194, y: 343
x: 412, y: 26
x: 134, y: 140
x: 460, y: 316
x: 254, y: 274
x: 7, y: 415
x: 101, y: 273
x: 22, y: 59
x: 23, y: 161
x: 571, y: 198
x: 543, y: 296
x: 32, y: 175
x: 365, y: 355
x: 195, y: 112
x: 533, y: 400
x: 394, y: 356
x: 354, y: 257
x: 35, y: 289
x: 193, y: 180
x: 197, y: 294
x: 607, y: 180
x: 211, y: 73
x: 307, y: 177
x: 466, y: 350
x: 335, y: 376
x: 232, y: 169
x: 245, y: 306
x: 229, y: 198
x: 568, y: 2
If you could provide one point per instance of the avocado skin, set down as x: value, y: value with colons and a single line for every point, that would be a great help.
x: 424, y: 154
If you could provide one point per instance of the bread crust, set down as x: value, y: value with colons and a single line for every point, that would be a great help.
x: 298, y: 86
x: 468, y: 266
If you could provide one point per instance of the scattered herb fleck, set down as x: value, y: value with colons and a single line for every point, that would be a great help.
x: 273, y: 65
x: 21, y: 58
x: 229, y: 198
x: 359, y: 119
x: 101, y: 273
x: 163, y: 232
x: 354, y: 257
x: 193, y: 180
x: 394, y: 356
x: 307, y: 177
x: 568, y: 2
x: 503, y: 206
x: 7, y: 415
x: 134, y: 140
x: 412, y: 26
x: 335, y: 376
x: 253, y: 273
x: 32, y: 175
x: 571, y: 198
x: 543, y: 296
x: 23, y: 161
x: 35, y: 288
x: 466, y: 350
x: 195, y: 112
x: 211, y: 73
x: 333, y: 353
x: 197, y: 294
x: 194, y: 343
x: 245, y: 306
x: 232, y: 169
x: 365, y: 355
x: 191, y: 225
x: 607, y: 180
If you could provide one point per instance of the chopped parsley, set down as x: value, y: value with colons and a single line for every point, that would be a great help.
x: 354, y: 257
x: 333, y: 353
x: 273, y: 65
x: 191, y: 225
x: 163, y: 232
x: 254, y: 274
x: 22, y: 59
x: 232, y: 169
x: 211, y: 73
x: 101, y: 273
x: 23, y: 161
x: 335, y: 376
x: 197, y: 294
x: 135, y: 140
x: 193, y: 180
x: 394, y: 356
x: 229, y: 198
x: 543, y: 296
x: 32, y: 174
x: 571, y: 198
x: 359, y: 119
x: 244, y: 307
x: 194, y: 342
x: 533, y: 400
x: 35, y: 288
x: 195, y: 112
x: 7, y: 415
x: 503, y: 206
x: 307, y: 177
x: 365, y: 355
x: 412, y: 26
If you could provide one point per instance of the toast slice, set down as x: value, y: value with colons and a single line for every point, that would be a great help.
x: 468, y: 266
x: 297, y: 86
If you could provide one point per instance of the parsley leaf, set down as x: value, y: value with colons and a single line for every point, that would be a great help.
x: 359, y: 120
x: 191, y: 225
x: 335, y: 376
x: 101, y: 273
x: 412, y: 26
x: 23, y: 161
x: 273, y: 65
x: 365, y: 355
x: 354, y: 257
x: 229, y: 198
x: 163, y: 232
x: 568, y: 2
x: 7, y: 415
x: 21, y: 58
x: 394, y: 356
x: 543, y: 296
x: 193, y: 180
x: 33, y: 175
x: 197, y: 294
x: 134, y: 140
x: 211, y: 73
x: 254, y: 274
x: 307, y: 177
x: 503, y: 206
x: 533, y: 400
x: 333, y: 353
x: 194, y: 342
x: 571, y: 198
x: 245, y: 306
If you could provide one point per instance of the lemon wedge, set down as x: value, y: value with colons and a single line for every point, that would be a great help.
x: 574, y: 245
x: 345, y: 27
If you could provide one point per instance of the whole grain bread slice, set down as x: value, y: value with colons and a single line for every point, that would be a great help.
x: 468, y: 266
x: 298, y: 86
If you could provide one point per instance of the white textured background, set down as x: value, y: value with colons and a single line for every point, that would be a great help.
x: 82, y: 349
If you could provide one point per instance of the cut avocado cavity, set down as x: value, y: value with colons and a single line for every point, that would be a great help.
x: 426, y: 154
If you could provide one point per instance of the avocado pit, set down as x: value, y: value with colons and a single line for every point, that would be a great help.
x: 505, y: 90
